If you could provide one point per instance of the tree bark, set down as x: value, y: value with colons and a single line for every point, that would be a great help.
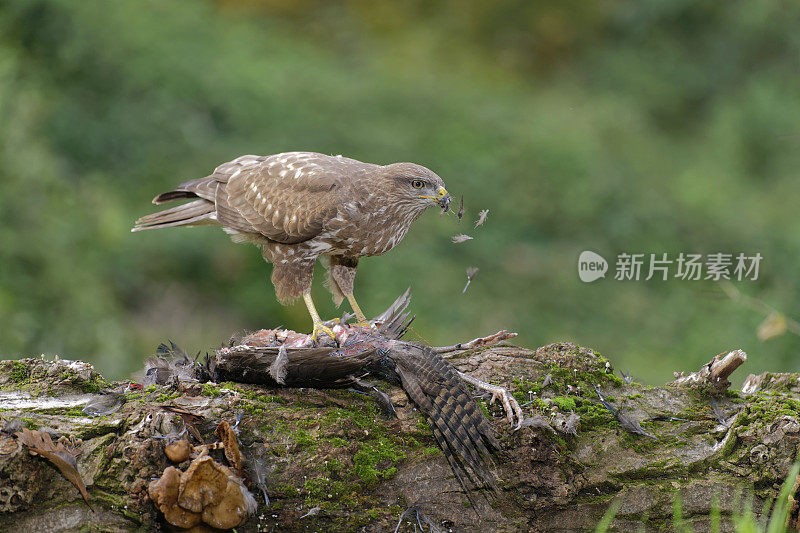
x: 335, y: 462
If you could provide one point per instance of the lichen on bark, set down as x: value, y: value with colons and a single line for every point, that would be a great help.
x: 335, y: 462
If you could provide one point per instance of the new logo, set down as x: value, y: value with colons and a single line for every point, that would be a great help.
x: 591, y: 266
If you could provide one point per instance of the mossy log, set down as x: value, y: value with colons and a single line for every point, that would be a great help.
x: 336, y: 463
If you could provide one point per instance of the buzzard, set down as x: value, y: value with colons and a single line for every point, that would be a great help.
x: 300, y: 206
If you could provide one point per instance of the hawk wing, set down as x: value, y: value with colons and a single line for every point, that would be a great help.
x: 286, y: 197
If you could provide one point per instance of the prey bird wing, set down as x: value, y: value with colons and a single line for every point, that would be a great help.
x: 459, y: 426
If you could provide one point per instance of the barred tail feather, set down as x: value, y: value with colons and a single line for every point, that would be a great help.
x: 459, y: 426
x: 197, y: 213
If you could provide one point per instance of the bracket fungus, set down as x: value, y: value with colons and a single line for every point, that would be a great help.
x: 165, y: 492
x: 235, y: 507
x: 207, y: 492
x: 178, y: 451
x: 202, y: 484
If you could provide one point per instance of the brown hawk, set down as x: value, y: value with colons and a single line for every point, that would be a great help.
x: 300, y: 206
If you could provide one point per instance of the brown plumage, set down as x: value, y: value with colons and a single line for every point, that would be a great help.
x: 459, y: 426
x: 300, y: 206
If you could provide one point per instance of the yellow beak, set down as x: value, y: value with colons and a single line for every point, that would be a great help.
x: 441, y: 198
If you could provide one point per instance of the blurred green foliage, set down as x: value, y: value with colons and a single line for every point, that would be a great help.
x: 645, y: 126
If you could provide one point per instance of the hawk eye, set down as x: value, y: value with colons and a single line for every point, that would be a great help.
x: 418, y: 184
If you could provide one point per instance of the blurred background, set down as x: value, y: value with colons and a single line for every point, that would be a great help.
x: 613, y: 126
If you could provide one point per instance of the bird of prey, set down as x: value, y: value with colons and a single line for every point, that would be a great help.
x: 300, y: 206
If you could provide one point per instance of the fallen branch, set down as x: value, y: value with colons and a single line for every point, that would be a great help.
x: 714, y: 373
x: 501, y: 335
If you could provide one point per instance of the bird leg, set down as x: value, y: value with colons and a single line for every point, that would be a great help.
x: 474, y: 343
x: 510, y: 405
x: 319, y: 327
x: 362, y: 320
x: 343, y: 273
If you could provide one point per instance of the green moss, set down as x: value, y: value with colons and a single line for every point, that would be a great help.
x: 730, y: 445
x: 275, y: 399
x: 75, y: 411
x: 95, y: 385
x: 30, y: 423
x: 657, y: 469
x: 593, y: 415
x: 361, y: 414
x: 565, y: 403
x: 525, y: 389
x: 764, y: 408
x: 376, y: 460
x: 324, y: 489
x: 430, y: 451
x: 286, y: 490
x: 167, y: 396
x: 211, y: 390
x: 20, y: 372
x: 337, y: 442
x: 407, y: 441
x: 335, y: 468
x: 303, y: 439
x: 423, y: 426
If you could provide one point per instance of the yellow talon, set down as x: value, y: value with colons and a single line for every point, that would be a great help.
x: 319, y: 327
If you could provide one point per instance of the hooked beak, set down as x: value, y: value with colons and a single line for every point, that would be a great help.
x: 442, y: 199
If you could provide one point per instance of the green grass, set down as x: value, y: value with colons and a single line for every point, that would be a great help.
x: 773, y: 518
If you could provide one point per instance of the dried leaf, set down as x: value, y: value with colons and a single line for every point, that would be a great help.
x: 62, y: 456
x: 225, y: 433
x: 461, y: 238
x: 482, y: 217
x: 773, y: 326
x: 460, y: 213
x: 189, y: 418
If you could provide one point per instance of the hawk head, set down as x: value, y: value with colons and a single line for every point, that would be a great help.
x: 416, y: 186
